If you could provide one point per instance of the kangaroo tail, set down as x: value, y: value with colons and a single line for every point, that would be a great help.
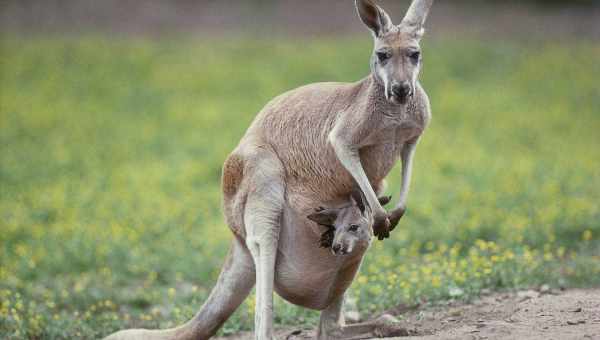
x: 234, y: 284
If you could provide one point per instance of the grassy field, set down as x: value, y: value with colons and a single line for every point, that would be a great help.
x: 112, y: 149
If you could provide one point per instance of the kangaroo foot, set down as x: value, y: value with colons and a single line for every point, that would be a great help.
x: 382, y: 327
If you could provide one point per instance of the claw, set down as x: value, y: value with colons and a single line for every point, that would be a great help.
x: 383, y: 200
x: 395, y: 216
x: 382, y: 229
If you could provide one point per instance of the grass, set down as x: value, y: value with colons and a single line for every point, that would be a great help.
x: 110, y: 168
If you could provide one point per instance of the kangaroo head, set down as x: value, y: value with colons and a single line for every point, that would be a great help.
x: 349, y: 228
x: 396, y: 58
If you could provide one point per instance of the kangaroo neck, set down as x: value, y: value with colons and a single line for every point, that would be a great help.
x: 371, y: 98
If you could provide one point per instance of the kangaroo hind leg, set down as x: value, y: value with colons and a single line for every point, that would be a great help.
x: 262, y: 219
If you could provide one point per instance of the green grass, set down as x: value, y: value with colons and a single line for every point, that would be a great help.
x: 110, y: 168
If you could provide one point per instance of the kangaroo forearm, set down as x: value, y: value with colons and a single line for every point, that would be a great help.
x: 406, y: 156
x: 350, y: 159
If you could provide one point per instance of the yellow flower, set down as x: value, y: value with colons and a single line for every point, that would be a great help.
x: 587, y: 235
x: 481, y: 244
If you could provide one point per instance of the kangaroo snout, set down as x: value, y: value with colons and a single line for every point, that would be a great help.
x: 401, y: 91
x: 339, y: 249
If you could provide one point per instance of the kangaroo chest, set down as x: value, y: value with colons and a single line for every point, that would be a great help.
x: 379, y: 157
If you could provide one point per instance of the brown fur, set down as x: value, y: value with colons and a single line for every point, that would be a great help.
x: 297, y: 124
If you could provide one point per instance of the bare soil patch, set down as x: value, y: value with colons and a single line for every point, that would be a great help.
x: 547, y: 314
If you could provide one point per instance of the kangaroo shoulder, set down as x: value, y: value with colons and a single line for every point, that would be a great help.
x: 421, y: 107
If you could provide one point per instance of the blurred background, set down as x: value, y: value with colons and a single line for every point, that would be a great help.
x: 532, y: 19
x: 116, y: 116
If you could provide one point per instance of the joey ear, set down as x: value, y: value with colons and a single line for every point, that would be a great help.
x: 374, y: 17
x: 358, y: 200
x: 323, y: 216
x: 383, y: 200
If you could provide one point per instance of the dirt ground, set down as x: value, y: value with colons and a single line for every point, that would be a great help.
x: 545, y: 314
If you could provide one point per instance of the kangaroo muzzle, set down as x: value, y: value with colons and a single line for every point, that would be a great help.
x: 400, y: 92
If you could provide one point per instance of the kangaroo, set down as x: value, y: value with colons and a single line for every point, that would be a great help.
x: 328, y: 270
x: 311, y: 147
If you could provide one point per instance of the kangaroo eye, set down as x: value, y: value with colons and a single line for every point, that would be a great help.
x: 353, y: 228
x: 383, y: 56
x: 414, y: 56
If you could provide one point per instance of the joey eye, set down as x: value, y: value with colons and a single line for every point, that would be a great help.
x: 383, y: 56
x: 353, y: 228
x: 414, y: 56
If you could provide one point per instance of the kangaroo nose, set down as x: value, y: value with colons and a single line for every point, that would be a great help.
x: 401, y: 90
x: 336, y: 248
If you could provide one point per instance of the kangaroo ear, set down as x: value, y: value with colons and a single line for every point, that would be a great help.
x: 383, y: 200
x: 358, y: 199
x: 414, y: 20
x: 324, y: 217
x: 373, y: 16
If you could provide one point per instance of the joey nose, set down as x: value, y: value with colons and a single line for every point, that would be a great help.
x: 401, y: 90
x: 336, y: 248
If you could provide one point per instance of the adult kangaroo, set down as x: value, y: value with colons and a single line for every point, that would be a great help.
x: 311, y: 147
